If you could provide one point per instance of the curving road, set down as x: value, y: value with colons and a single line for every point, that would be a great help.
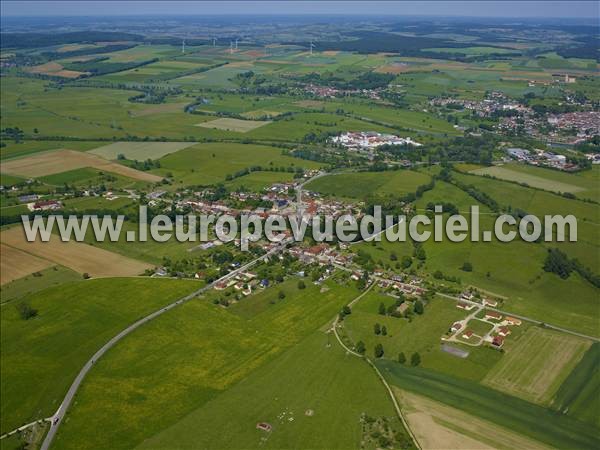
x: 59, y: 415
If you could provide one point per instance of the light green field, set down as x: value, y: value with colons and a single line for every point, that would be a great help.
x: 211, y: 163
x: 30, y: 284
x: 315, y: 375
x: 237, y: 125
x: 359, y: 185
x: 140, y: 150
x: 505, y: 173
x: 536, y: 364
x: 41, y: 356
x: 14, y: 150
x: 187, y: 357
x: 541, y: 203
x: 587, y: 182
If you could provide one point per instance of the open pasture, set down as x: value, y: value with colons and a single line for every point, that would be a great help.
x: 16, y: 264
x: 211, y: 163
x: 29, y: 284
x: 162, y: 108
x: 359, y: 185
x: 64, y: 160
x: 188, y: 357
x: 506, y: 173
x: 80, y: 257
x: 140, y: 150
x: 298, y: 394
x: 237, y: 125
x: 41, y: 356
x: 535, y: 365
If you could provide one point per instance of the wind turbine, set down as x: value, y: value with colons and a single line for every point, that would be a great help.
x: 266, y: 50
x: 183, y: 46
x: 230, y: 47
x: 236, y: 41
x: 311, y: 46
x: 214, y: 41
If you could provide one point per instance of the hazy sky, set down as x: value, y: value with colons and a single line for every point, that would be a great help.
x: 555, y: 9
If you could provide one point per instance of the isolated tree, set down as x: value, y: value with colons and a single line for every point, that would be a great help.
x: 301, y: 285
x: 383, y: 331
x: 25, y: 311
x: 382, y: 309
x: 415, y: 359
x: 281, y: 295
x: 377, y: 329
x: 418, y: 307
x: 346, y: 310
x: 401, y: 358
x: 467, y: 267
x: 360, y: 347
x: 378, y: 351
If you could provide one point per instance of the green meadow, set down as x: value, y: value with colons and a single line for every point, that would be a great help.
x: 299, y: 394
x: 41, y: 356
x: 205, y: 164
x: 359, y: 185
x: 188, y: 357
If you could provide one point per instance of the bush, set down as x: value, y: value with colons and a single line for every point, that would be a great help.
x: 415, y: 359
x: 377, y: 329
x: 467, y: 267
x: 301, y: 285
x: 360, y: 347
x: 378, y: 351
x: 281, y: 295
x: 25, y: 311
x: 401, y: 358
x: 418, y: 307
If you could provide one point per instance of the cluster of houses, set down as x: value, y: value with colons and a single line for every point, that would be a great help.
x: 494, y: 102
x: 332, y: 92
x: 322, y: 254
x: 242, y: 282
x: 500, y: 324
x: 411, y: 287
x: 370, y: 140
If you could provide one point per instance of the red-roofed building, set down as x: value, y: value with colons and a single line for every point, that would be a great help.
x: 503, y: 331
x: 467, y: 334
x: 493, y: 315
x: 498, y: 341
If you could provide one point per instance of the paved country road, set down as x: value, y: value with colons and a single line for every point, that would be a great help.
x: 58, y: 417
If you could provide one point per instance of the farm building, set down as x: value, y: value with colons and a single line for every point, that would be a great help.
x: 264, y: 426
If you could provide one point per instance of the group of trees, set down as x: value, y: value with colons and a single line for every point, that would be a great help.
x: 559, y: 263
